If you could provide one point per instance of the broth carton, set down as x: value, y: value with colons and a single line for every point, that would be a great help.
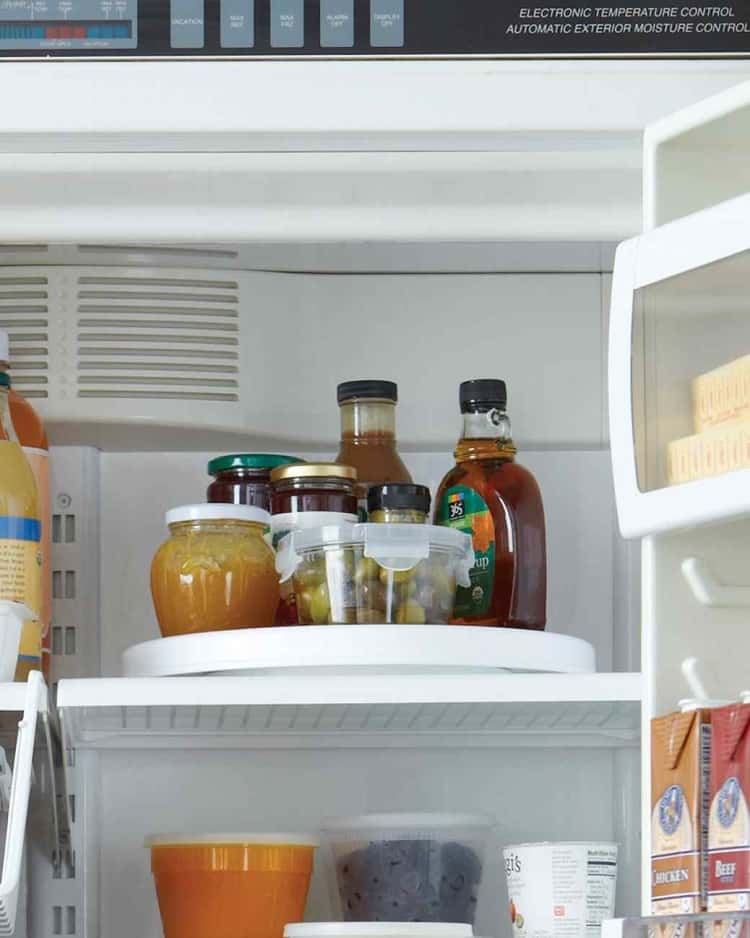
x: 729, y: 820
x: 680, y: 778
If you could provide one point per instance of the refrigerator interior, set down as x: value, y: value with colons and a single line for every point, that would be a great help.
x: 156, y: 390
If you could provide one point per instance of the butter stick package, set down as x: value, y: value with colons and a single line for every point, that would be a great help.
x: 680, y: 778
x: 729, y: 820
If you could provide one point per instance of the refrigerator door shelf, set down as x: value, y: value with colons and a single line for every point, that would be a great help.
x: 678, y: 310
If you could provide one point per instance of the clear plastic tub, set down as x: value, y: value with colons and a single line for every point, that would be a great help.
x: 407, y: 867
x: 230, y: 885
x: 394, y: 574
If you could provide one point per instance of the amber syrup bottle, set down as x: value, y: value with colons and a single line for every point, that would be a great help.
x: 490, y: 496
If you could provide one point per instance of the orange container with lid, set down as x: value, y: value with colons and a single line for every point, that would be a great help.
x: 230, y: 885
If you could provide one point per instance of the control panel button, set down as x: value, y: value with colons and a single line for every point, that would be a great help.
x: 187, y: 24
x: 336, y: 23
x: 386, y: 23
x: 237, y: 24
x: 287, y: 24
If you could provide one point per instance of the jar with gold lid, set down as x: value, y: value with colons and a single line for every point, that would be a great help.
x: 305, y: 496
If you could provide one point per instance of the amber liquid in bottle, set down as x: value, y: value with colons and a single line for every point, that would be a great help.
x: 485, y: 465
x: 368, y: 442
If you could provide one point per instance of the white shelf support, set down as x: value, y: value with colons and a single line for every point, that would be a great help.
x: 708, y: 590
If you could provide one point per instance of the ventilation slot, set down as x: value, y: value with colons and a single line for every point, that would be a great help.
x: 148, y: 254
x: 24, y: 316
x: 161, y: 337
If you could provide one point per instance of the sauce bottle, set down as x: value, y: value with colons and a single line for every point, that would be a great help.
x: 490, y: 496
x: 368, y: 435
x: 20, y: 535
x: 30, y: 433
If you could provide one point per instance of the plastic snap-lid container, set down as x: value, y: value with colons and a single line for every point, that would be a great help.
x: 423, y: 867
x: 230, y: 885
x: 403, y: 574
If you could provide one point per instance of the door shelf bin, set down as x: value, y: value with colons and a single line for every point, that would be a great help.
x: 30, y: 700
x: 649, y: 926
x: 679, y: 309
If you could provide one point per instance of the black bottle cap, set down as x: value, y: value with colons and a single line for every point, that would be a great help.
x: 350, y: 390
x: 482, y: 394
x: 399, y: 495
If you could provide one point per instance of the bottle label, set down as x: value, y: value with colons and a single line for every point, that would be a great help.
x: 20, y: 578
x: 465, y: 510
x: 38, y: 459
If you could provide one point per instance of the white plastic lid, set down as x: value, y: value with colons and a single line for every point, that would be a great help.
x: 594, y: 844
x: 4, y: 346
x: 687, y: 704
x: 217, y: 511
x: 179, y: 840
x: 417, y: 821
x: 377, y: 930
x: 394, y: 546
x: 744, y: 697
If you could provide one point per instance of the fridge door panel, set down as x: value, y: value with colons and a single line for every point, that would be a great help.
x: 678, y: 311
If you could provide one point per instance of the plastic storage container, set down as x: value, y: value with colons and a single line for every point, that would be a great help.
x: 407, y: 867
x: 377, y: 930
x: 215, y: 571
x: 375, y: 573
x: 12, y: 616
x: 560, y: 889
x: 230, y: 885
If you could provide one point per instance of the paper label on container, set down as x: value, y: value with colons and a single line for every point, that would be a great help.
x: 38, y: 459
x: 560, y: 890
x: 21, y: 580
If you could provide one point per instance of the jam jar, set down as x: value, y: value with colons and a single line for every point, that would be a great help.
x: 215, y: 571
x: 308, y: 496
x: 244, y: 478
x: 324, y: 493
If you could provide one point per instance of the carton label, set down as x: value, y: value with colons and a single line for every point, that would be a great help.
x: 729, y: 820
x: 680, y: 798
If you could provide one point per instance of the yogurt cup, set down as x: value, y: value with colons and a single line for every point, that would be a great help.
x: 560, y: 889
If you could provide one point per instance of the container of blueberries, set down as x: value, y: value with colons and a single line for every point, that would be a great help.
x: 407, y: 867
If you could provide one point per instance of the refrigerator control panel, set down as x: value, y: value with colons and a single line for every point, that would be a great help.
x: 49, y: 25
x: 366, y: 28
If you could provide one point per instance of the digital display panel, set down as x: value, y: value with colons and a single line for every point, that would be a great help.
x: 68, y: 24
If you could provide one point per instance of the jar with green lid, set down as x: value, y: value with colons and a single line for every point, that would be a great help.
x: 245, y: 478
x: 398, y: 503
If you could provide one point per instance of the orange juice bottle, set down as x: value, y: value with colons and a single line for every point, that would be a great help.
x: 20, y: 535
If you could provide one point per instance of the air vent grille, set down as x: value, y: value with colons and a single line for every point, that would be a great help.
x: 25, y: 317
x: 158, y: 337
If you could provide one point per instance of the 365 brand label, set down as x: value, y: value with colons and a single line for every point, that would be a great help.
x: 464, y: 509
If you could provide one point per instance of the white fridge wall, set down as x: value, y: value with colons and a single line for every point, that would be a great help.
x: 259, y: 353
x: 554, y: 794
